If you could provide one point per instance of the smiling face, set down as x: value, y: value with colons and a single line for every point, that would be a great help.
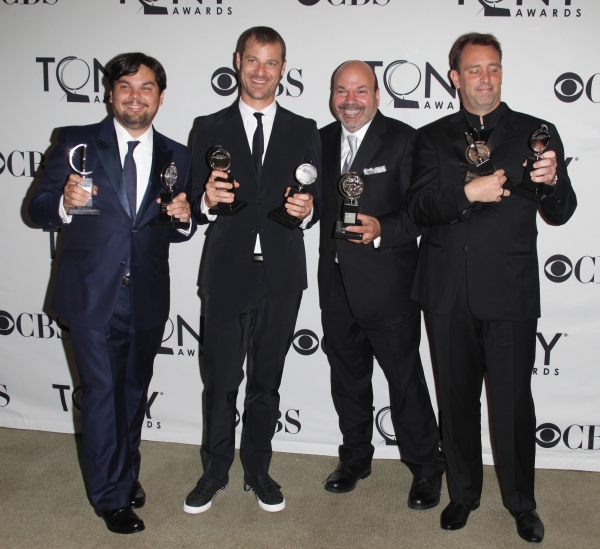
x: 354, y: 100
x: 479, y: 79
x: 135, y: 99
x: 260, y: 69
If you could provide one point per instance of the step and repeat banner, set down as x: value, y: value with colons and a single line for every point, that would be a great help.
x: 53, y: 57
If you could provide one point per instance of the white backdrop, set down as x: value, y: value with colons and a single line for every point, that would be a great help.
x: 51, y: 58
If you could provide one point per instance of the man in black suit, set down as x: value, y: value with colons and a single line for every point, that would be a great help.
x: 477, y: 278
x: 364, y: 287
x: 112, y: 282
x: 254, y: 268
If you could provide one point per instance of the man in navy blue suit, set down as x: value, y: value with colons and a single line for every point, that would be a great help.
x: 112, y: 283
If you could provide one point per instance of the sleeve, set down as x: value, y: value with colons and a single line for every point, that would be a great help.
x: 200, y: 171
x: 178, y: 235
x: 313, y: 154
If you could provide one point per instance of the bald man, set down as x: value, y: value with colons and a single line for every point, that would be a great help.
x: 364, y: 287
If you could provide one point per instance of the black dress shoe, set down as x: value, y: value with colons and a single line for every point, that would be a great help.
x: 123, y: 521
x: 529, y: 525
x: 425, y: 492
x: 455, y: 515
x: 137, y: 499
x: 345, y: 477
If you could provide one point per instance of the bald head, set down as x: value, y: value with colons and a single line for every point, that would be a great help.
x: 354, y: 95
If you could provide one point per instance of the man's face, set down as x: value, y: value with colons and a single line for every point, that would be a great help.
x: 354, y: 100
x: 260, y: 69
x: 135, y: 99
x: 479, y: 79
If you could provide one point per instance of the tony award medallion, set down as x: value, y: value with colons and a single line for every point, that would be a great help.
x: 478, y: 155
x: 538, y: 143
x: 168, y: 179
x: 85, y: 184
x: 219, y: 159
x: 351, y: 186
x: 306, y: 174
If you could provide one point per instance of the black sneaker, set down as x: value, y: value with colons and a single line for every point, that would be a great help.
x: 200, y: 498
x: 267, y: 492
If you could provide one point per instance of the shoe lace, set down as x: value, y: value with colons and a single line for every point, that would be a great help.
x: 205, y: 485
x: 267, y: 485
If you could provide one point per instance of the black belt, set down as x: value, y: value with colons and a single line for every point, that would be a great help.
x: 257, y: 258
x: 126, y: 281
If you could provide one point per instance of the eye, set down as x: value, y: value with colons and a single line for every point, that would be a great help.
x: 547, y: 435
x: 224, y: 81
x: 568, y: 87
x: 305, y: 342
x: 7, y: 323
x: 558, y: 268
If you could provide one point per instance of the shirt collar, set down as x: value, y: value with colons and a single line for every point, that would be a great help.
x: 123, y: 136
x: 246, y: 111
x: 489, y: 120
x: 360, y: 134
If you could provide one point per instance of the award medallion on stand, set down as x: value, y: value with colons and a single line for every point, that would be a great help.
x: 478, y: 155
x: 86, y: 184
x: 219, y: 159
x: 306, y: 174
x: 168, y: 179
x: 351, y: 186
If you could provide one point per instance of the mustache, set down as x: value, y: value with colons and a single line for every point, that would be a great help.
x: 351, y: 107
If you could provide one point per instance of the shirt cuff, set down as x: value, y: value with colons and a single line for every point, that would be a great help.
x: 66, y: 218
x: 307, y: 219
x: 204, y: 210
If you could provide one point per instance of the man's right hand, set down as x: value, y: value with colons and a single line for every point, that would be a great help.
x: 216, y: 191
x: 487, y: 188
x: 74, y: 195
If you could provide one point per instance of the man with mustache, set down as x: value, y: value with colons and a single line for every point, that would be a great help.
x: 364, y: 286
x: 478, y: 281
x: 254, y: 268
x: 112, y: 283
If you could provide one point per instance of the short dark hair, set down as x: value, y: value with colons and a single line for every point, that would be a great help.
x: 264, y: 36
x: 471, y: 39
x: 129, y: 63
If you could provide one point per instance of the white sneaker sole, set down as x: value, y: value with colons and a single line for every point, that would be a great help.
x: 198, y: 510
x: 264, y: 506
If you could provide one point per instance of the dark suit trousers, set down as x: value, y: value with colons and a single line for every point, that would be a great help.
x: 465, y: 348
x: 351, y: 344
x: 255, y: 322
x: 115, y: 367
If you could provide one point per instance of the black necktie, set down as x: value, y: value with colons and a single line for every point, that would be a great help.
x: 258, y: 144
x: 130, y: 176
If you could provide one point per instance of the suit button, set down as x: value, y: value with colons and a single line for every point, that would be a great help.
x: 465, y: 248
x: 259, y: 201
x: 254, y: 229
x: 122, y: 262
x: 134, y: 230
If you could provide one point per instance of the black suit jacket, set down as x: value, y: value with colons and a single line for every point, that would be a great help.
x: 377, y: 281
x: 231, y: 239
x: 96, y: 250
x: 496, y: 240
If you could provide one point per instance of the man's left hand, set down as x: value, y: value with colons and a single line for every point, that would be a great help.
x: 179, y: 208
x: 545, y: 168
x: 370, y: 229
x: 300, y: 205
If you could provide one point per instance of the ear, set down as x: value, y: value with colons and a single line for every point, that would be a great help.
x: 238, y: 61
x: 455, y: 77
x: 377, y: 96
x: 283, y: 68
x: 110, y: 96
x: 161, y: 98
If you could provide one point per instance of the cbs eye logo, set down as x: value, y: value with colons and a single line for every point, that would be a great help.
x: 547, y: 435
x: 306, y: 342
x: 7, y: 323
x: 224, y: 81
x: 569, y: 87
x: 558, y: 268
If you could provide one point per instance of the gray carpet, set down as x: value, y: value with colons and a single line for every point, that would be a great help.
x: 43, y: 505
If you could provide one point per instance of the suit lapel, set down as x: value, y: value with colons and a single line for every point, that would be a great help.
x: 332, y: 154
x: 108, y: 152
x: 502, y: 129
x: 235, y: 133
x: 278, y: 142
x: 161, y: 157
x: 370, y: 144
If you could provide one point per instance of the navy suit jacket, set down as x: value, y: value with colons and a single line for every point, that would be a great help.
x: 497, y: 240
x: 231, y: 239
x: 98, y: 251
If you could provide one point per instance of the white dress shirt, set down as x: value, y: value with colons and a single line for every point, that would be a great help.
x: 345, y: 149
x: 250, y: 125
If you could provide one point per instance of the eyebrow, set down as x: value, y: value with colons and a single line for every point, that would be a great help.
x: 480, y: 64
x: 124, y: 80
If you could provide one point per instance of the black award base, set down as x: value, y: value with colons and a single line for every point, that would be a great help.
x: 166, y: 221
x: 282, y: 216
x: 349, y: 218
x: 225, y: 208
x: 530, y: 189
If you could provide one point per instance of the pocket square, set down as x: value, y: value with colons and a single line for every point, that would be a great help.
x: 371, y: 171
